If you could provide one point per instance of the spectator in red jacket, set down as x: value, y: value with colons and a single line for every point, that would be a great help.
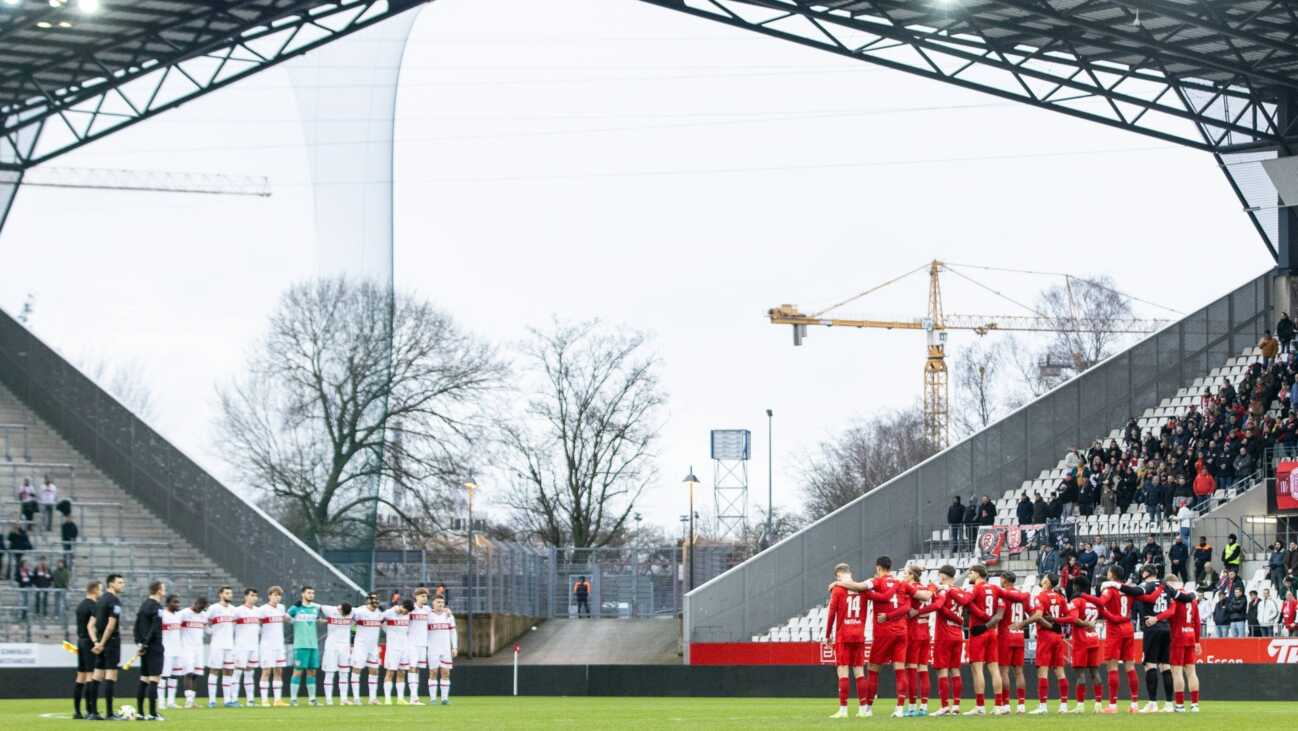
x: 1204, y: 486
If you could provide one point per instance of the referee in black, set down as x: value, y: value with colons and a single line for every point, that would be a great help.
x: 1157, y: 637
x: 108, y: 646
x: 86, y: 638
x: 148, y: 637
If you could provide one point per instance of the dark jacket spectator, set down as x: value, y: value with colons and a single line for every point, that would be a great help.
x: 1130, y: 557
x: 1208, y: 579
x: 1251, y: 614
x: 1221, y: 612
x: 1202, y: 555
x: 1291, y: 558
x: 1275, y: 563
x: 1087, y: 559
x: 1024, y: 510
x: 987, y: 512
x: 1152, y: 553
x: 955, y: 513
x: 1040, y: 510
x: 1048, y: 562
x: 1284, y: 330
x: 1178, y: 557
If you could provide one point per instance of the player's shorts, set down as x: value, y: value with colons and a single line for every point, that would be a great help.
x: 417, y: 656
x: 1121, y: 646
x: 193, y: 659
x: 394, y: 658
x: 308, y: 658
x: 363, y: 656
x: 918, y: 650
x: 983, y: 647
x: 443, y: 658
x: 1182, y: 655
x: 110, y: 657
x: 1009, y: 656
x: 173, y: 663
x: 335, y: 658
x: 152, y: 661
x: 272, y: 656
x: 946, y: 654
x: 245, y: 657
x: 220, y: 657
x: 85, y: 656
x: 888, y: 648
x: 1157, y: 646
x: 1050, y: 650
x: 849, y: 654
x: 1087, y: 656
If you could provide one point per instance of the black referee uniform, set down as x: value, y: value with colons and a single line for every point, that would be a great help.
x: 85, y: 655
x: 1157, y: 640
x: 109, y: 607
x: 148, y: 636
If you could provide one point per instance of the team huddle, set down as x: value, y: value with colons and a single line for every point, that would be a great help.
x: 246, y: 642
x: 910, y: 625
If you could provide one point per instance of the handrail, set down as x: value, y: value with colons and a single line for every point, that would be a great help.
x: 6, y: 430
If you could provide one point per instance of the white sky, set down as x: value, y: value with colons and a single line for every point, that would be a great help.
x: 588, y: 158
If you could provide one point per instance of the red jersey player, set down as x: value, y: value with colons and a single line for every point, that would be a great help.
x: 845, y: 625
x: 889, y: 643
x: 1182, y: 617
x: 1120, y: 643
x: 1050, y: 613
x: 918, y: 648
x: 1087, y: 652
x: 1009, y: 650
x: 985, y: 611
x: 948, y: 641
x: 1289, y: 615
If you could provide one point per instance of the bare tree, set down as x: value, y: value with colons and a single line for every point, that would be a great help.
x: 1092, y: 304
x: 351, y: 389
x: 979, y: 371
x: 867, y: 454
x: 27, y: 311
x: 581, y: 450
x: 127, y: 380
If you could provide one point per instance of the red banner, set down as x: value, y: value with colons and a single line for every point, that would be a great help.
x: 1286, y: 485
x: 1242, y: 650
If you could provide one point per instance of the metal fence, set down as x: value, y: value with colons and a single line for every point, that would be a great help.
x: 512, y: 578
x: 232, y: 532
x: 786, y: 579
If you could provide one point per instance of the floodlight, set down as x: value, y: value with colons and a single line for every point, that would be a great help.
x: 88, y: 6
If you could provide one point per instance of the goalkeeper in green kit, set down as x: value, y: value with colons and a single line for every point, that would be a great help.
x: 306, y: 649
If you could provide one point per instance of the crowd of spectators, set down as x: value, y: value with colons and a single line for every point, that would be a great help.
x: 41, y: 585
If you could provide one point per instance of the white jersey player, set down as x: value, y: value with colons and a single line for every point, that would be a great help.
x: 443, y: 645
x: 417, y: 647
x: 173, y: 651
x: 396, y: 627
x: 193, y: 621
x: 337, y: 652
x: 365, y: 647
x: 271, y: 653
x: 220, y: 651
x: 247, y: 643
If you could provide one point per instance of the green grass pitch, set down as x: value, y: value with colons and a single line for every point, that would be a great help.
x: 694, y: 714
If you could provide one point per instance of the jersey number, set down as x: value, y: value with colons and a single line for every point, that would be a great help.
x: 854, y: 606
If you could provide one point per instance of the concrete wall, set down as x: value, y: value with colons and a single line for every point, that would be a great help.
x: 891, y: 519
x: 492, y: 632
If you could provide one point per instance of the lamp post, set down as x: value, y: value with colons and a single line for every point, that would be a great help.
x: 471, y: 578
x: 691, y: 482
x: 770, y: 462
x: 635, y: 565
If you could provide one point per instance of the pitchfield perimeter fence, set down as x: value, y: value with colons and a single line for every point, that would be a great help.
x: 790, y: 577
x: 513, y: 578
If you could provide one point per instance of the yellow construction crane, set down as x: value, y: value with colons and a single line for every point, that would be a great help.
x: 937, y: 416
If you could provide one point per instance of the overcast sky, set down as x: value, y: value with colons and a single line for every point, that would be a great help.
x: 589, y: 158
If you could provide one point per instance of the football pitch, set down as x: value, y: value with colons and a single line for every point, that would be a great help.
x: 695, y: 714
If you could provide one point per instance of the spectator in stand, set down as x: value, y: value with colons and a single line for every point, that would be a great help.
x: 1130, y: 557
x: 1204, y: 486
x: 1268, y: 613
x: 27, y: 504
x: 1069, y: 571
x: 1178, y: 555
x: 1090, y: 496
x: 69, y: 532
x: 1023, y: 511
x: 1243, y: 464
x: 19, y: 543
x: 1184, y: 521
x: 1231, y: 581
x: 1048, y: 561
x: 1152, y: 554
x: 23, y: 576
x: 48, y: 497
x: 1154, y: 499
x: 440, y: 591
x: 1088, y: 559
x: 42, y: 580
x: 1221, y: 615
x: 1237, y: 613
x: 955, y: 521
x: 581, y: 592
x: 1269, y: 347
x: 1040, y: 510
x: 1068, y: 496
x: 1291, y: 559
x: 1066, y: 549
x: 1202, y: 557
x: 1275, y: 564
x: 4, y: 565
x: 1232, y: 555
x: 1289, y: 615
x: 1109, y: 497
x: 986, y: 511
x: 971, y: 522
x: 1284, y: 331
x: 62, y: 575
x: 1102, y: 554
x: 1250, y: 616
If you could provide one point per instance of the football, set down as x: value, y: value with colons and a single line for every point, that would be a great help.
x: 128, y: 713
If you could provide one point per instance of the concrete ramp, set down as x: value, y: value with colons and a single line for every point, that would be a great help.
x: 597, y: 642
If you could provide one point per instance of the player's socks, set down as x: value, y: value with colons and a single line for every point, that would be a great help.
x: 310, y: 688
x: 214, y: 684
x: 1151, y: 683
x: 980, y: 700
x: 412, y: 684
x: 1022, y: 694
x: 108, y: 686
x: 860, y: 689
x: 294, y: 683
x: 902, y: 688
x: 912, y: 685
x: 249, y: 685
x: 374, y: 686
x: 264, y: 687
x: 387, y: 690
x: 923, y: 688
x: 277, y: 689
x: 446, y: 689
x: 401, y: 690
x: 943, y: 690
x: 78, y: 691
x: 1133, y: 683
x: 1179, y: 697
x: 1168, y: 690
x: 842, y: 692
x: 356, y: 688
x: 1043, y: 690
x: 871, y: 686
x: 329, y: 688
x: 152, y: 692
x: 957, y: 691
x: 141, y: 690
x: 92, y: 697
x: 1113, y: 687
x: 1194, y: 697
x: 1063, y: 692
x: 1081, y: 694
x: 1099, y: 694
x: 230, y: 688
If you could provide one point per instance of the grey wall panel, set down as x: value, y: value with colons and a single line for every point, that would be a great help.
x: 894, y: 518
